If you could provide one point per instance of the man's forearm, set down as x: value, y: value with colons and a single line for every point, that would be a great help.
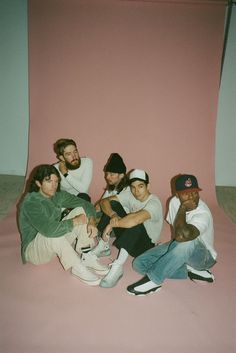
x: 182, y: 230
x: 132, y: 219
x: 106, y: 207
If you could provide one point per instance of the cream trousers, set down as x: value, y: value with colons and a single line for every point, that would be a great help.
x: 43, y: 249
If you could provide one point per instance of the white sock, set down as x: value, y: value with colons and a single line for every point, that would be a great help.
x: 146, y: 286
x: 122, y: 257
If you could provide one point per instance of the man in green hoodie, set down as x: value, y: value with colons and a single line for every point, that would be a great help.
x: 44, y: 235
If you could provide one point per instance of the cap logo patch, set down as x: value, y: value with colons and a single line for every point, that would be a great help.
x: 188, y: 183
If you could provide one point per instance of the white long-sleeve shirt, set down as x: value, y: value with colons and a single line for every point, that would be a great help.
x: 78, y: 180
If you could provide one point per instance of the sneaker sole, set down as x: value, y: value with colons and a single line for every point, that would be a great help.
x: 196, y: 278
x: 104, y: 286
x: 144, y: 294
x: 99, y: 272
x: 90, y: 283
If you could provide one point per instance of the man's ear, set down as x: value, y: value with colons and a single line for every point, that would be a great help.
x: 38, y: 183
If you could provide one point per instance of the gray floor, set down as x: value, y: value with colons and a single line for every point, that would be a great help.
x: 11, y: 187
x: 226, y: 197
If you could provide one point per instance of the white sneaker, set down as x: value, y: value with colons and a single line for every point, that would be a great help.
x: 102, y: 249
x: 90, y: 260
x: 115, y: 273
x: 85, y: 275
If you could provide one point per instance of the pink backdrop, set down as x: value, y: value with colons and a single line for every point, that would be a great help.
x: 137, y: 78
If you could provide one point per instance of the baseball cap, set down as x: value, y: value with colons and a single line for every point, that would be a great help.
x: 138, y: 174
x: 186, y: 182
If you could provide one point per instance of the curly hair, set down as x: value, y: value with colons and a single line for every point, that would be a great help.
x: 41, y: 172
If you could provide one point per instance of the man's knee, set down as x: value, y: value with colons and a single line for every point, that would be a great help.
x: 117, y: 207
x: 75, y: 212
x: 137, y: 263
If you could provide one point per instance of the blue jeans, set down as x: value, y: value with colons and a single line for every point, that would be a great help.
x: 170, y: 260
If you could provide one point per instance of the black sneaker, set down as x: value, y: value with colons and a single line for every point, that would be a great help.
x: 145, y: 279
x: 205, y: 276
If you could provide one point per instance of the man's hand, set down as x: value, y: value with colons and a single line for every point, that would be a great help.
x: 80, y: 219
x: 184, y: 231
x: 97, y: 207
x: 92, y: 231
x: 114, y: 220
x: 62, y: 167
x: 189, y: 205
x: 106, y: 233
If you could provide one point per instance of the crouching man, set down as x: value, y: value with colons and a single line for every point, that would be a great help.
x: 44, y: 235
x: 135, y: 231
x: 191, y: 251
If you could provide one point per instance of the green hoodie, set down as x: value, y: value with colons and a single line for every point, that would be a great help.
x: 39, y: 214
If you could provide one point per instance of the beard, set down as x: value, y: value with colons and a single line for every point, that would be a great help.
x: 70, y: 166
x: 110, y: 187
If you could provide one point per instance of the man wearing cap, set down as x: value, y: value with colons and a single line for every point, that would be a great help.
x: 135, y: 231
x: 190, y: 253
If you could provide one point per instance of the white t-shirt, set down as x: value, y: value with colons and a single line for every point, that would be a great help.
x: 201, y: 218
x: 108, y: 193
x: 153, y: 205
x: 78, y: 180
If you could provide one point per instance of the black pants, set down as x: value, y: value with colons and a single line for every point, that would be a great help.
x: 134, y: 240
x: 84, y: 196
x: 81, y: 195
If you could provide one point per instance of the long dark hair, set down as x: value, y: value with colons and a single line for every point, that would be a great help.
x: 41, y: 172
x: 122, y: 184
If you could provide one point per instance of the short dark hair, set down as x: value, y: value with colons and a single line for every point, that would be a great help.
x: 41, y: 172
x: 60, y: 145
x: 135, y: 179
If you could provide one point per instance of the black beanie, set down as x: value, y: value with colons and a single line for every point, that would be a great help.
x: 115, y: 164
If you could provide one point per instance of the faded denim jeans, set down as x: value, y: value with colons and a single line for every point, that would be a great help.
x: 170, y: 260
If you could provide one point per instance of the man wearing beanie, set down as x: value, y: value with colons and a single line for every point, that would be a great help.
x: 115, y: 175
x: 191, y: 251
x: 116, y: 181
x: 135, y: 231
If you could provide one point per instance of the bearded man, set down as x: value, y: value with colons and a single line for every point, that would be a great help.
x: 76, y: 172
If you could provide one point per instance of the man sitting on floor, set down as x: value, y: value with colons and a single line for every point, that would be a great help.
x: 44, y: 235
x: 136, y: 231
x: 190, y: 253
x: 76, y: 172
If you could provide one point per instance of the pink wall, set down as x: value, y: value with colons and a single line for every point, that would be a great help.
x: 138, y: 78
